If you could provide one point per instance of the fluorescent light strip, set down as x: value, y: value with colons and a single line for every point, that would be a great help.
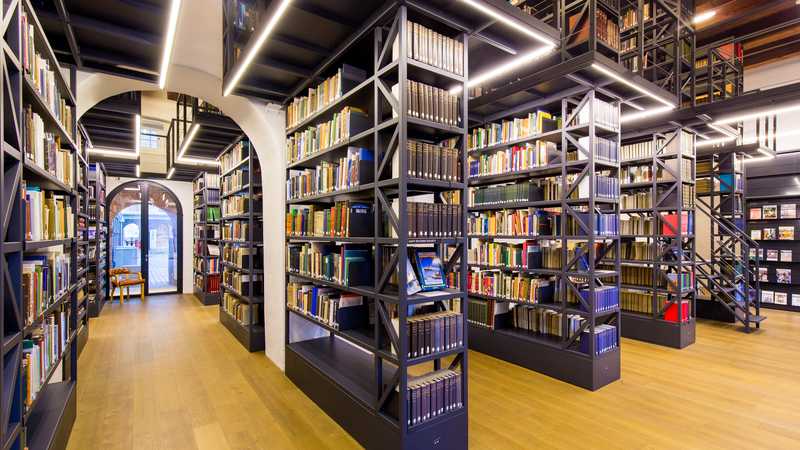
x: 723, y: 130
x: 717, y: 141
x: 188, y: 140
x: 138, y: 172
x: 206, y: 162
x: 138, y: 130
x: 760, y: 158
x: 644, y: 91
x: 631, y: 117
x: 755, y: 115
x: 250, y: 56
x: 172, y: 27
x: 171, y: 172
x: 113, y: 153
x: 511, y: 23
x: 702, y: 17
x: 515, y: 62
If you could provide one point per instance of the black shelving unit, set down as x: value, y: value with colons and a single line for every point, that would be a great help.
x: 778, y: 257
x: 82, y: 290
x: 358, y: 365
x: 660, y: 311
x: 206, y: 267
x: 43, y: 421
x: 98, y: 238
x: 241, y: 307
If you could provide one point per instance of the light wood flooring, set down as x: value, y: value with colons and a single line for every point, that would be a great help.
x: 166, y: 375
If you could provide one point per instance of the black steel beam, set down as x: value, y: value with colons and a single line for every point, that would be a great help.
x: 299, y: 43
x: 283, y: 66
x: 73, y: 43
x: 324, y: 13
x: 129, y: 35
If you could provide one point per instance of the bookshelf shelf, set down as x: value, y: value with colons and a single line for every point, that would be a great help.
x: 46, y: 421
x: 98, y: 269
x: 207, y: 256
x: 241, y: 308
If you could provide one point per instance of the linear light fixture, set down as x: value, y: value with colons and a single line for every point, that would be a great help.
x: 201, y: 161
x: 632, y: 117
x: 702, y: 17
x: 138, y: 172
x: 511, y: 23
x: 112, y: 153
x: 171, y: 172
x: 169, y: 43
x: 642, y: 90
x: 755, y: 115
x: 717, y: 141
x: 250, y: 56
x: 495, y: 72
x: 188, y: 140
x: 137, y: 127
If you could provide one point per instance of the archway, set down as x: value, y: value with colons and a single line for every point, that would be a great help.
x: 146, y: 239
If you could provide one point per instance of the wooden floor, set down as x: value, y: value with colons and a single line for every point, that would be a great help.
x: 167, y: 375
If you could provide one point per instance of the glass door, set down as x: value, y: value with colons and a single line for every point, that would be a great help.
x: 146, y: 240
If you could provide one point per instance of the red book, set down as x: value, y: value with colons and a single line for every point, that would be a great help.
x: 671, y: 314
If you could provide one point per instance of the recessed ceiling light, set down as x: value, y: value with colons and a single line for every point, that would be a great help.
x: 256, y: 47
x: 702, y: 17
x: 188, y: 140
x: 169, y: 43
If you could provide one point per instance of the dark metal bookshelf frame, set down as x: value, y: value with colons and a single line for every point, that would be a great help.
x: 206, y: 298
x: 98, y: 266
x: 366, y: 389
x: 674, y: 252
x: 47, y: 422
x: 250, y: 335
x: 83, y: 242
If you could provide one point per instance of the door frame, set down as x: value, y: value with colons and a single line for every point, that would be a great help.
x: 145, y: 231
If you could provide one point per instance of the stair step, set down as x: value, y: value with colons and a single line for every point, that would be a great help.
x: 754, y: 318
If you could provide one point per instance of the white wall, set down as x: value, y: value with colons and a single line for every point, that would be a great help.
x: 772, y: 75
x: 182, y: 190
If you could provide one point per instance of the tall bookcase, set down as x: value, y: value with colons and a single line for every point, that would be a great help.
x: 241, y: 306
x: 38, y: 115
x: 363, y: 360
x: 658, y: 240
x: 206, y: 262
x: 98, y: 238
x: 82, y: 235
x: 563, y: 230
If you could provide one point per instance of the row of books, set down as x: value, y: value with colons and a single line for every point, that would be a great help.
x: 605, y: 224
x: 636, y: 224
x: 527, y: 255
x: 432, y: 395
x: 241, y: 282
x: 636, y: 200
x: 207, y: 214
x: 605, y: 340
x: 725, y: 182
x: 242, y: 256
x: 43, y: 76
x: 41, y: 352
x: 346, y: 78
x: 431, y: 103
x: 644, y: 276
x: 770, y: 212
x: 208, y: 181
x: 345, y: 123
x: 514, y: 159
x: 47, y: 215
x: 514, y: 287
x: 644, y: 173
x: 323, y: 304
x: 207, y: 231
x: 344, y: 173
x: 235, y: 181
x: 43, y: 149
x: 234, y: 156
x: 347, y: 265
x: 45, y: 277
x: 637, y: 250
x: 779, y: 298
x: 534, y: 123
x: 545, y: 321
x: 514, y: 222
x: 604, y: 114
x: 630, y: 17
x: 244, y: 313
x: 764, y: 254
x: 482, y: 312
x: 344, y: 219
x: 240, y: 204
x: 208, y: 196
x: 210, y: 284
x: 431, y: 220
x: 431, y: 162
x: 640, y: 301
x: 604, y: 149
x: 784, y: 233
x: 239, y: 230
x: 506, y: 193
x: 434, y: 333
x: 427, y: 46
x: 602, y: 299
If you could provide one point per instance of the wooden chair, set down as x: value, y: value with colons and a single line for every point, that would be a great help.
x: 127, y: 282
x: 114, y: 277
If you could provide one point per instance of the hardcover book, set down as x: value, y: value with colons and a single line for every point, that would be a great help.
x: 767, y: 297
x: 789, y: 211
x: 786, y: 256
x: 781, y: 298
x: 769, y: 234
x: 755, y: 235
x: 772, y: 255
x: 783, y: 276
x: 770, y: 211
x: 786, y: 233
x: 795, y: 299
x: 430, y: 270
x: 755, y: 213
x: 763, y: 274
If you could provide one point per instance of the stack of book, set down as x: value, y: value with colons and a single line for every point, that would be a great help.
x: 432, y: 395
x: 429, y: 47
x: 517, y: 128
x: 605, y: 339
x: 324, y: 304
x: 431, y: 103
x: 347, y: 122
x: 514, y: 159
x: 243, y: 312
x: 344, y: 219
x: 48, y: 215
x: 346, y: 78
x: 514, y: 287
x: 41, y: 352
x: 431, y: 162
x: 514, y: 222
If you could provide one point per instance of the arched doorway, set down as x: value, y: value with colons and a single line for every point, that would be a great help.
x: 145, y: 234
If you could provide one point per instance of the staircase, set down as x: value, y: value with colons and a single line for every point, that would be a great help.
x: 729, y: 274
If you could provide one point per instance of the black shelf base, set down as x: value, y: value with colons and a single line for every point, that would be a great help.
x: 660, y: 332
x: 96, y: 307
x: 570, y: 367
x: 205, y: 298
x: 364, y: 424
x: 713, y: 310
x: 83, y: 338
x: 252, y: 340
x: 51, y: 424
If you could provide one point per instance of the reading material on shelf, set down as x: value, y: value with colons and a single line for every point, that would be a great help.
x: 786, y: 256
x: 43, y: 149
x: 429, y: 162
x: 45, y: 278
x: 605, y: 339
x: 755, y: 213
x: 241, y: 204
x: 783, y: 276
x: 344, y: 124
x: 431, y: 103
x: 514, y: 222
x: 346, y: 78
x: 428, y: 220
x: 244, y: 313
x: 353, y: 170
x: 781, y: 298
x: 770, y: 211
x: 434, y: 333
x: 233, y: 157
x: 347, y: 265
x: 506, y: 193
x: 786, y: 233
x: 534, y: 123
x: 605, y: 114
x: 48, y: 216
x: 788, y: 211
x: 772, y: 255
x: 429, y: 47
x: 432, y: 395
x: 514, y: 287
x: 41, y: 352
x: 344, y: 219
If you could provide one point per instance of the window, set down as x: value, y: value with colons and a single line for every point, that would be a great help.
x: 149, y: 138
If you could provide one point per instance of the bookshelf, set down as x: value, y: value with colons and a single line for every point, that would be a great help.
x: 772, y: 222
x: 242, y: 283
x: 206, y: 263
x: 40, y: 157
x: 658, y: 293
x: 543, y: 220
x: 355, y: 337
x: 82, y: 236
x: 98, y: 239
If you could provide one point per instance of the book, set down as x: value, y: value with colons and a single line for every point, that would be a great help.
x: 772, y: 255
x: 770, y: 211
x: 788, y: 211
x: 346, y: 78
x: 783, y: 276
x: 412, y: 282
x: 432, y: 395
x: 781, y: 298
x: 786, y: 233
x: 434, y: 332
x: 427, y: 46
x: 763, y: 274
x: 755, y: 235
x: 796, y: 300
x: 786, y: 256
x: 769, y: 234
x: 755, y: 213
x: 767, y: 296
x: 430, y: 269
